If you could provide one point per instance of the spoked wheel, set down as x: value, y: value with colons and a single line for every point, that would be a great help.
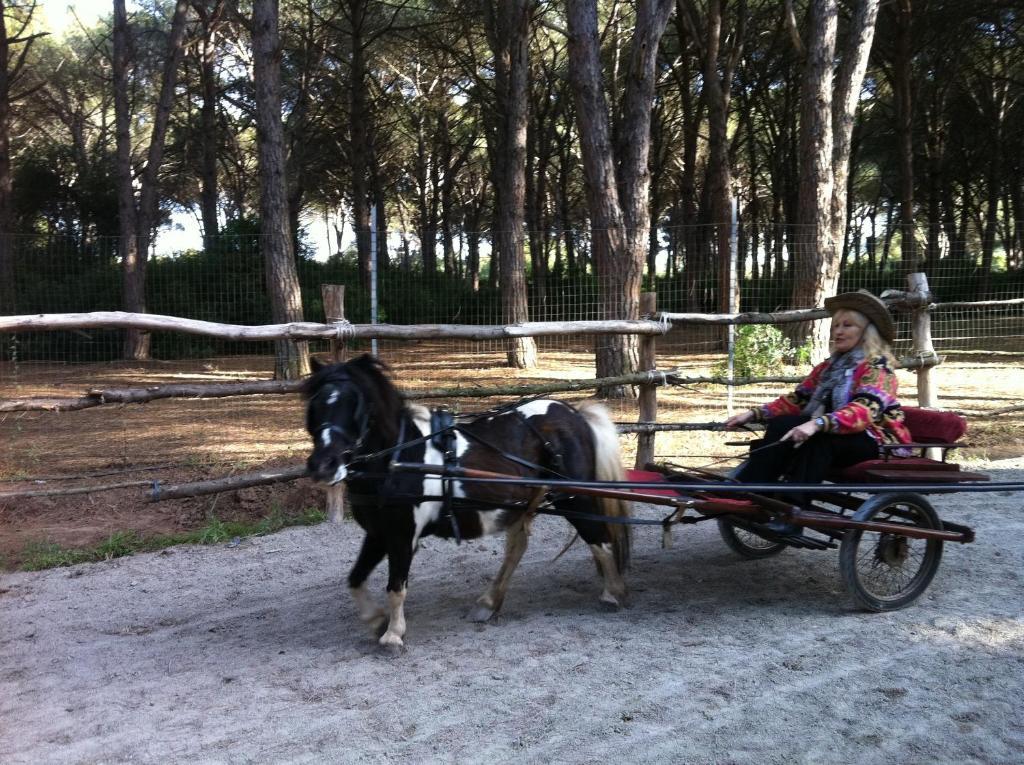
x: 886, y: 571
x: 747, y: 543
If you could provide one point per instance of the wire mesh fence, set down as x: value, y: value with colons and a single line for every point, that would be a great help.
x: 225, y: 282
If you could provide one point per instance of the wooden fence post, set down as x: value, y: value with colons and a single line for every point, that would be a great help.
x: 334, y: 308
x: 921, y: 334
x: 648, y: 402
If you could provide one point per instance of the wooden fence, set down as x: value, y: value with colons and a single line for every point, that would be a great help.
x: 916, y: 300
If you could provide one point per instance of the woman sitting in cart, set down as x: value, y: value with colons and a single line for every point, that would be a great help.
x: 840, y: 414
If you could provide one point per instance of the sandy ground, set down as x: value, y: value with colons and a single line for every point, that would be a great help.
x: 253, y: 653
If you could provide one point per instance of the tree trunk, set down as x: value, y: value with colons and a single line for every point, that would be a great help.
x: 509, y: 32
x: 565, y: 163
x: 541, y: 139
x: 815, y: 272
x: 292, y: 359
x: 829, y: 102
x: 359, y: 136
x: 620, y: 220
x: 902, y: 92
x: 849, y: 80
x: 135, y: 241
x: 209, y: 194
x: 11, y: 73
x: 719, y: 172
x: 717, y: 87
x: 694, y: 267
x: 149, y: 197
x: 7, y: 271
x: 133, y: 263
x: 988, y: 235
x: 425, y: 207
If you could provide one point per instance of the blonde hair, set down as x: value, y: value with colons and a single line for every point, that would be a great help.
x: 871, y: 341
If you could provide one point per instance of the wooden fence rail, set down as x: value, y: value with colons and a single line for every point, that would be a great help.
x: 304, y: 330
x: 917, y: 300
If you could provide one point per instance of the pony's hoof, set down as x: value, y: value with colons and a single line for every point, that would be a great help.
x: 609, y: 602
x: 391, y: 643
x: 481, y: 614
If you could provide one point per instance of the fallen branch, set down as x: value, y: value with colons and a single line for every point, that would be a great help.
x: 1004, y: 410
x: 217, y: 485
x: 68, y: 492
x: 82, y: 476
x: 101, y: 396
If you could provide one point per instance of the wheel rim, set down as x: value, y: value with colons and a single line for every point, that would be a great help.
x: 890, y: 565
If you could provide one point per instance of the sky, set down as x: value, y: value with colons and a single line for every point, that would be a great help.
x: 59, y: 16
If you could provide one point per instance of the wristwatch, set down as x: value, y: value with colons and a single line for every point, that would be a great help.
x: 820, y: 422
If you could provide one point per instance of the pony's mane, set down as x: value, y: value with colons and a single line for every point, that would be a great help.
x: 372, y: 377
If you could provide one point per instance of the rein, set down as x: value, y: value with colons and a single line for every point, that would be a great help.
x: 456, y: 428
x: 467, y: 503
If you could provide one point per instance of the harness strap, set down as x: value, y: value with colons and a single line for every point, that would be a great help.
x: 557, y: 461
x: 444, y: 438
x: 511, y: 457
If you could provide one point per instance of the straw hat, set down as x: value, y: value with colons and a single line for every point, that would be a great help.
x: 864, y: 302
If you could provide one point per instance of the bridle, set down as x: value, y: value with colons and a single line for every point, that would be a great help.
x: 362, y: 418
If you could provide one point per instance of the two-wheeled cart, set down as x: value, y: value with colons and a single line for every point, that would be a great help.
x: 877, y: 513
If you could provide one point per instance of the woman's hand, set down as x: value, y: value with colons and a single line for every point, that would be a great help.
x: 801, y: 433
x: 738, y: 420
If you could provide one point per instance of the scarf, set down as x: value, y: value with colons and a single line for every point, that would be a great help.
x: 834, y: 383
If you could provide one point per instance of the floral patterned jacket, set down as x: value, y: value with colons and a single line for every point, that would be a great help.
x: 871, y: 403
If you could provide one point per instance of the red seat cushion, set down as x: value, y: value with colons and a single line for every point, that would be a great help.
x: 929, y: 426
x: 649, y: 476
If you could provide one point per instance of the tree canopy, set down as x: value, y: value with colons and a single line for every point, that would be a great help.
x: 468, y: 129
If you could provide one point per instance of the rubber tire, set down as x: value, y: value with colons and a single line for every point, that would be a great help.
x: 728, y: 531
x: 851, y: 543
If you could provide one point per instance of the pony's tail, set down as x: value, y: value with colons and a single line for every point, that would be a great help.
x: 608, y: 467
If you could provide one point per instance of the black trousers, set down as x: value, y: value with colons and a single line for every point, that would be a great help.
x: 811, y: 461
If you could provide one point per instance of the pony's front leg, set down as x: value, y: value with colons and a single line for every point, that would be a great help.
x: 516, y: 539
x: 370, y: 554
x: 399, y: 562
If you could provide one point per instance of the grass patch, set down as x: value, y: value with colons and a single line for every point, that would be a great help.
x: 37, y: 556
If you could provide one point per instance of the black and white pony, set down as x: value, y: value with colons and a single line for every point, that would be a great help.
x: 361, y: 425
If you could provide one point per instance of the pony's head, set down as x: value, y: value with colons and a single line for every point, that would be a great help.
x: 351, y: 408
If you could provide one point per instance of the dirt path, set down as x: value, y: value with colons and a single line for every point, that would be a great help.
x: 253, y: 653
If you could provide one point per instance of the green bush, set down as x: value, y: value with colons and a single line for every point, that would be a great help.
x: 760, y: 350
